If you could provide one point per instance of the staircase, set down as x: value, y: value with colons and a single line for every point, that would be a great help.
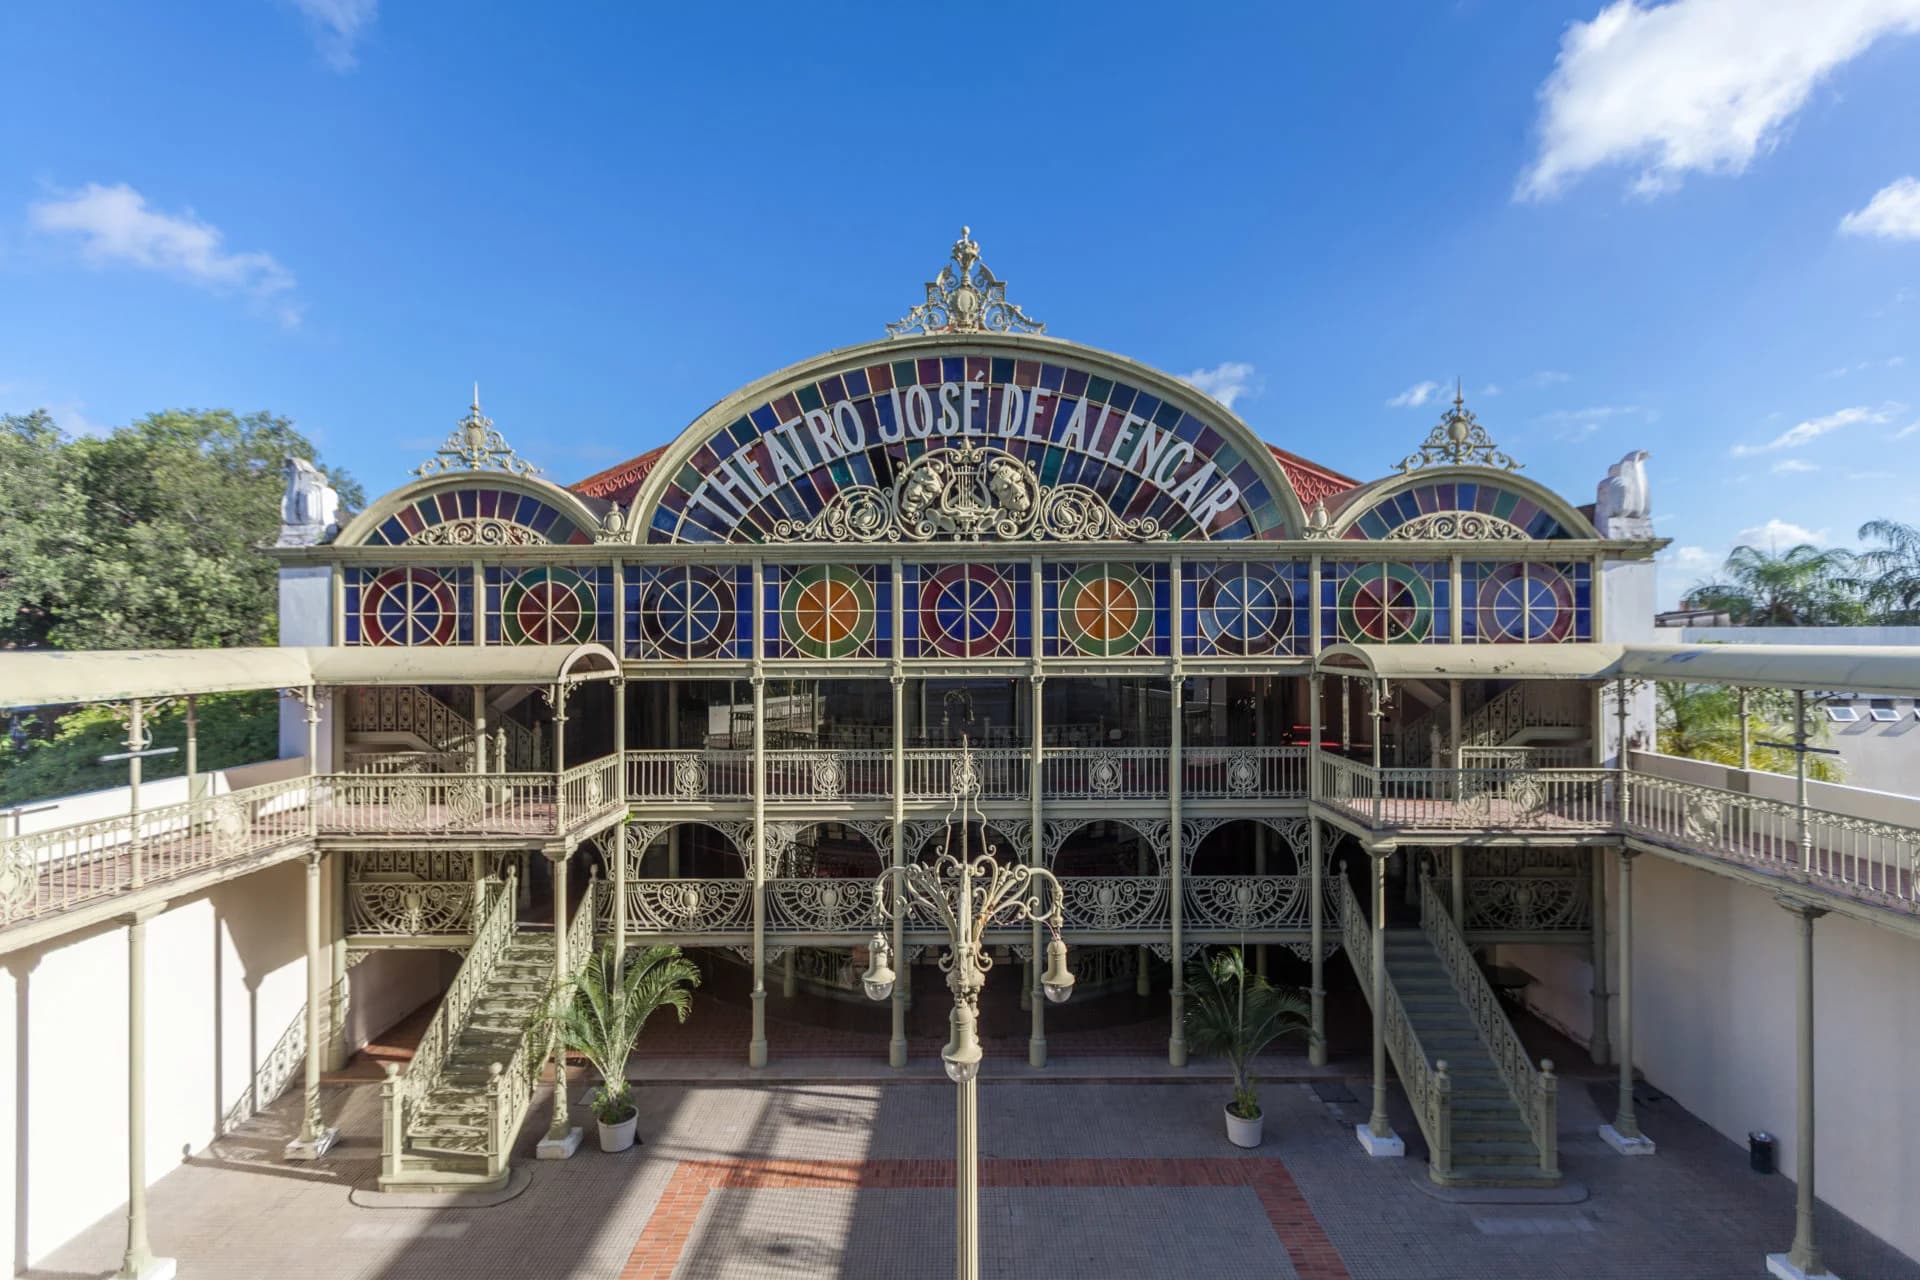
x: 1488, y: 1115
x: 1525, y: 713
x: 450, y: 1122
x: 406, y: 720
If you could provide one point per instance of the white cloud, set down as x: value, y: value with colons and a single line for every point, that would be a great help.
x: 1547, y: 378
x: 1907, y: 430
x: 1693, y: 85
x: 1226, y: 381
x: 1414, y: 396
x: 1813, y: 428
x: 337, y: 26
x: 1793, y: 466
x: 1695, y: 560
x: 116, y: 227
x: 1892, y: 214
x: 1578, y: 424
x: 1778, y: 534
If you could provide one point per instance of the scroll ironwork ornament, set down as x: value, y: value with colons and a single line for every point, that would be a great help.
x: 965, y: 297
x: 1246, y: 902
x: 474, y: 445
x: 967, y: 493
x: 1459, y: 440
x: 1460, y: 526
x: 1319, y: 522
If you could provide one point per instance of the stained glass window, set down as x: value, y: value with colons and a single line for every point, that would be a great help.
x: 1245, y: 608
x: 473, y: 517
x: 968, y: 611
x: 825, y: 611
x: 409, y: 607
x: 686, y: 612
x: 1106, y: 610
x: 549, y: 605
x: 1387, y: 603
x: 1527, y: 603
x: 1458, y: 509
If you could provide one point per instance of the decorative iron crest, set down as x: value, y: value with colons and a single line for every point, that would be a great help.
x: 1469, y: 526
x: 968, y: 492
x: 475, y: 446
x: 965, y: 298
x: 1459, y: 440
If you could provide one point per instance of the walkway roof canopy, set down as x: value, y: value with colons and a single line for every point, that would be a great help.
x: 1888, y: 671
x: 1472, y: 661
x: 1885, y: 671
x: 55, y: 677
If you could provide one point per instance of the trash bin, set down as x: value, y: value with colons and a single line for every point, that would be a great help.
x: 1760, y: 1146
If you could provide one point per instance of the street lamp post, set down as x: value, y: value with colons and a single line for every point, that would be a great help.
x: 969, y: 894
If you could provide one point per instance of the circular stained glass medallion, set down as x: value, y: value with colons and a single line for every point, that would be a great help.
x: 826, y: 611
x: 547, y: 606
x: 1525, y: 604
x: 966, y: 610
x: 408, y: 607
x: 1245, y: 609
x: 1386, y: 604
x: 1106, y: 611
x: 688, y: 612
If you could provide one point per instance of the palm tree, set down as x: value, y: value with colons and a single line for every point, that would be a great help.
x: 1801, y: 586
x: 1237, y: 1015
x: 608, y: 1010
x: 1890, y: 573
x: 1702, y: 722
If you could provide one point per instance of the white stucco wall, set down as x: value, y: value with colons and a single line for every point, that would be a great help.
x: 225, y: 977
x: 1715, y: 968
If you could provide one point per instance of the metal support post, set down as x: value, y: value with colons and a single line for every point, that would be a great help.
x: 563, y: 1138
x: 1377, y: 1137
x: 897, y: 1042
x: 757, y: 1046
x: 315, y: 1138
x: 1316, y: 881
x: 1598, y: 1041
x: 1037, y: 1005
x: 1458, y: 877
x: 1177, y: 953
x: 136, y: 744
x: 138, y: 1263
x: 193, y: 748
x: 1624, y: 1135
x: 1802, y: 1259
x: 478, y: 694
x: 620, y: 831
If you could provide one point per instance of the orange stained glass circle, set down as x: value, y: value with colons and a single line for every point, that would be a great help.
x: 828, y: 610
x: 1106, y: 609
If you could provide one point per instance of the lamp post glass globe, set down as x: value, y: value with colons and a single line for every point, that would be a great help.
x: 1057, y: 981
x: 878, y: 979
x: 962, y: 1055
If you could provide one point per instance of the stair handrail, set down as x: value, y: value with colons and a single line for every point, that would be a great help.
x: 1534, y: 1089
x: 510, y: 1084
x: 456, y: 729
x: 490, y: 941
x: 1418, y: 1076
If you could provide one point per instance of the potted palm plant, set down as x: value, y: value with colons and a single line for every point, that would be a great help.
x: 605, y: 1016
x: 1236, y: 1015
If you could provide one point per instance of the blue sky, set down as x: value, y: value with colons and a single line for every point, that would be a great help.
x: 1692, y: 228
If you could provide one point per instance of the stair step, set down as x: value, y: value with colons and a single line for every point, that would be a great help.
x: 1478, y: 1151
x: 1506, y: 1175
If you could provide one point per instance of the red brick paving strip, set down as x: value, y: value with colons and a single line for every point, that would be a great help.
x: 660, y: 1245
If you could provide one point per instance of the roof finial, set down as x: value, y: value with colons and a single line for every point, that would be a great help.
x: 966, y: 297
x: 475, y: 446
x: 1459, y: 401
x: 476, y: 396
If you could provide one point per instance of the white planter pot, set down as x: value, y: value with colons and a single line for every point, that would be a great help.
x: 618, y: 1137
x: 1243, y: 1133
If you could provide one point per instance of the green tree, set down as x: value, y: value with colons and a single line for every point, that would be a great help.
x: 1702, y: 722
x: 148, y: 536
x: 1799, y: 587
x: 62, y: 755
x: 1888, y: 575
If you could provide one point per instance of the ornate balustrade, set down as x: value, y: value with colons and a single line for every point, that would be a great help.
x: 409, y: 908
x: 1574, y: 756
x: 1244, y: 773
x: 1535, y: 1090
x: 822, y: 904
x: 827, y: 776
x: 1470, y: 799
x: 689, y: 777
x: 1530, y: 904
x: 1250, y: 902
x: 49, y: 872
x: 1105, y: 773
x: 1425, y: 1088
x: 1115, y: 903
x: 590, y: 790
x: 1000, y: 772
x: 490, y: 942
x: 449, y: 803
x: 686, y: 906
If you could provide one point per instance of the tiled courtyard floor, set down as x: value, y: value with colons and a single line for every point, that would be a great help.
x: 1079, y: 1179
